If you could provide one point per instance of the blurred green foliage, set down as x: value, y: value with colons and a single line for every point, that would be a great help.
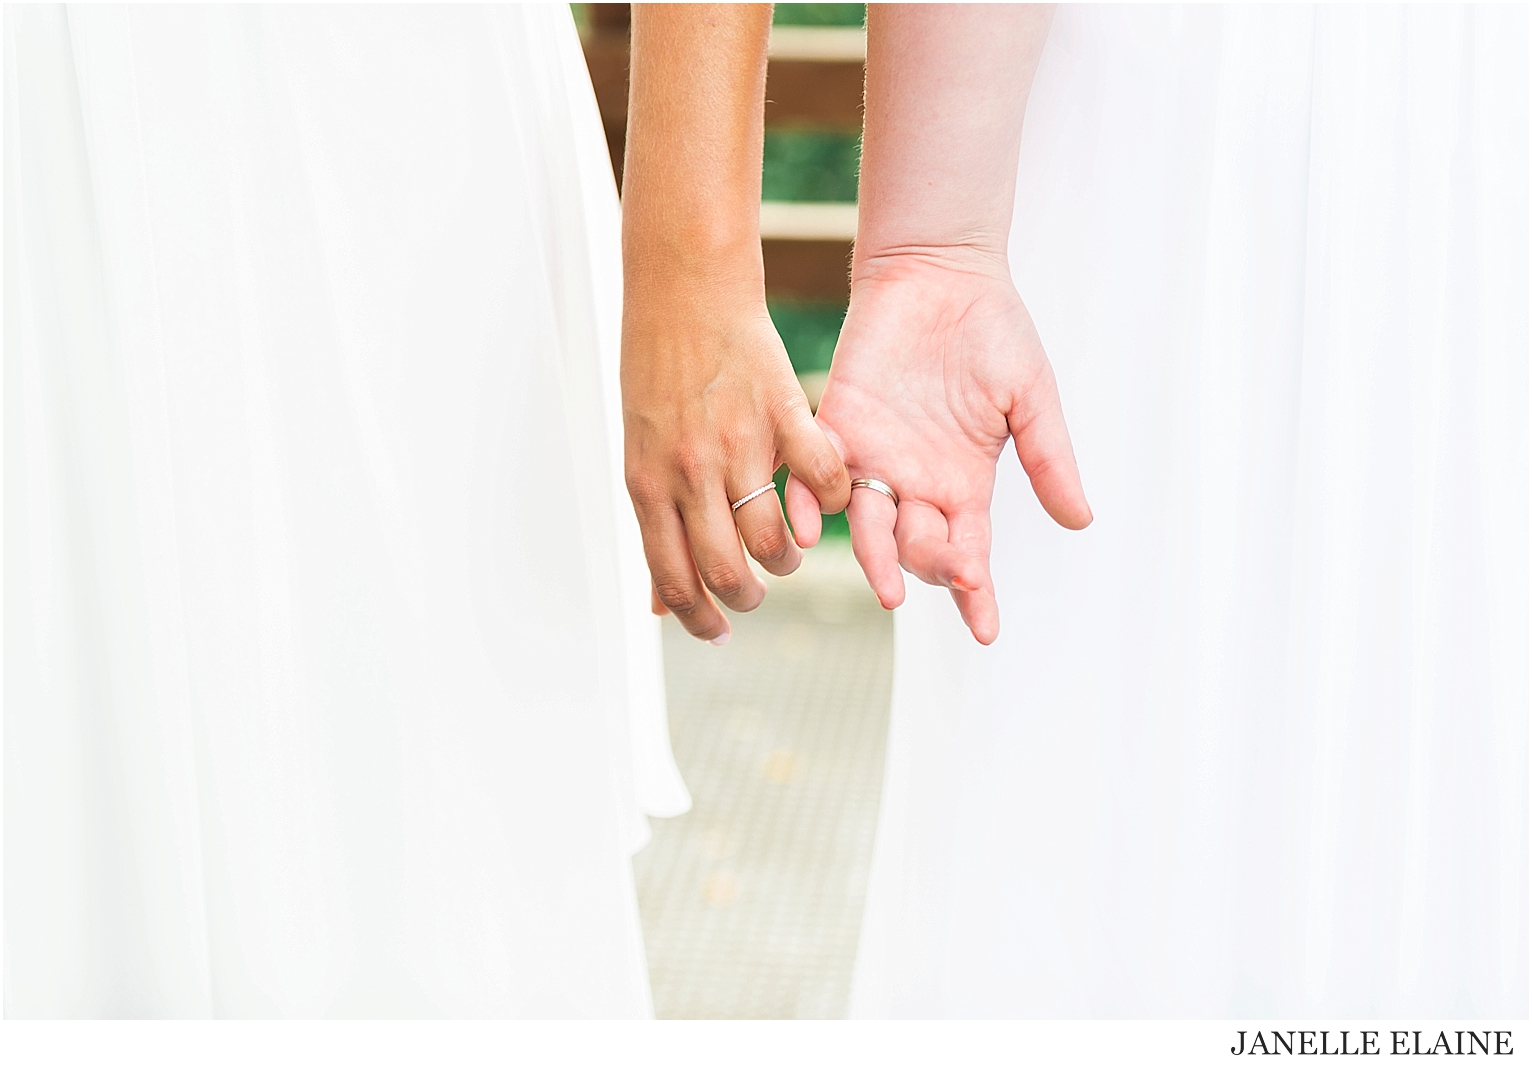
x: 808, y: 164
x: 820, y: 14
x: 808, y: 329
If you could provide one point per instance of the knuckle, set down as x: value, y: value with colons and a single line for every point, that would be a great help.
x: 771, y: 544
x: 692, y: 468
x: 724, y: 579
x: 825, y: 470
x: 643, y: 488
x: 677, y: 595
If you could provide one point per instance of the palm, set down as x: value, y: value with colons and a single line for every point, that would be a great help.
x: 921, y: 388
x: 935, y: 370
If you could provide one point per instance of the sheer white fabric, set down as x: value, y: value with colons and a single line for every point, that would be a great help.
x: 1254, y: 744
x: 330, y: 683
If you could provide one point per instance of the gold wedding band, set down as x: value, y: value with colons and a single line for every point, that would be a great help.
x: 876, y: 486
x: 737, y: 504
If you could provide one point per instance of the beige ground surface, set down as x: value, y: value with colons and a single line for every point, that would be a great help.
x: 751, y: 902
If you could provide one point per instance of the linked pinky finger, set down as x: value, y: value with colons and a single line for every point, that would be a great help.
x: 802, y: 511
x: 871, y: 516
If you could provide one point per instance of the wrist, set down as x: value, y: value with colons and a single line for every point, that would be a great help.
x: 679, y: 325
x: 667, y: 292
x: 876, y: 262
x: 700, y: 256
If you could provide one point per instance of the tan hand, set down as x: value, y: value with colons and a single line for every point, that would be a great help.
x: 711, y: 408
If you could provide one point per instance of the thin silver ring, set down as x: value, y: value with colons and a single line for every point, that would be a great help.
x: 737, y: 504
x: 876, y: 486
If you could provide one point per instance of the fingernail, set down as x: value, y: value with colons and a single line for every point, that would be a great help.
x: 721, y: 639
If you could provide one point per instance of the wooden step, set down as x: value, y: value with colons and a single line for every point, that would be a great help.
x: 807, y: 221
x: 820, y: 44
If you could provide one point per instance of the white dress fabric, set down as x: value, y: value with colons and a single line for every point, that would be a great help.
x: 1255, y: 743
x: 330, y: 683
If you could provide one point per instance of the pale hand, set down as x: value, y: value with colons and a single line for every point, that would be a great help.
x: 938, y: 366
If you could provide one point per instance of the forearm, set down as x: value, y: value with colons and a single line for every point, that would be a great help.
x: 692, y: 174
x: 710, y: 403
x: 947, y: 88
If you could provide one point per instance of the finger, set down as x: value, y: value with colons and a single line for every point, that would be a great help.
x: 765, y: 533
x: 871, y: 516
x: 809, y: 454
x: 1042, y: 445
x: 969, y: 532
x: 676, y: 583
x: 655, y: 606
x: 926, y: 552
x: 720, y: 559
x: 980, y: 614
x: 802, y: 512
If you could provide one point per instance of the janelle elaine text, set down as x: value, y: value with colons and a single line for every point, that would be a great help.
x: 1373, y: 1042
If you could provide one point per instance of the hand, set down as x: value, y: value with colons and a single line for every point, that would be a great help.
x: 711, y: 408
x: 710, y: 403
x: 938, y: 365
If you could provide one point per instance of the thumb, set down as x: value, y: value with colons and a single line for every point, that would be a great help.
x: 1042, y: 445
x: 813, y: 460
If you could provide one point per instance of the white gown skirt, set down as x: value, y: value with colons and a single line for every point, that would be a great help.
x: 1255, y: 743
x: 330, y: 686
